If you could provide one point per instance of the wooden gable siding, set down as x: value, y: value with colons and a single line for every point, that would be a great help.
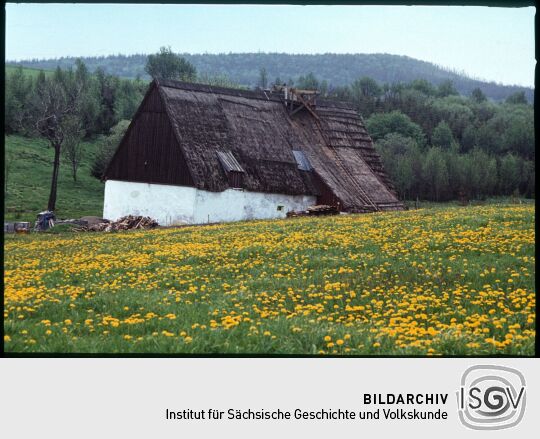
x: 149, y: 152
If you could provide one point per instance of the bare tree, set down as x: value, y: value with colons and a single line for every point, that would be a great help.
x: 55, y: 102
x: 73, y: 148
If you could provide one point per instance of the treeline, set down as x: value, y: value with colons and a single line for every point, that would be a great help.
x: 103, y: 99
x: 435, y: 143
x: 336, y: 69
x: 438, y: 145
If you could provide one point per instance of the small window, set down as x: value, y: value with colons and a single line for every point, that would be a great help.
x: 280, y: 207
x: 233, y: 169
x: 302, y: 161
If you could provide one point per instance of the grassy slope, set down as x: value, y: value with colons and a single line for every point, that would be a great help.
x: 29, y: 71
x: 30, y: 179
x: 453, y: 280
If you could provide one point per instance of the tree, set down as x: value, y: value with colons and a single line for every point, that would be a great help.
x: 482, y: 173
x: 423, y: 86
x: 308, y: 82
x: 517, y: 98
x: 17, y: 94
x: 365, y: 92
x: 168, y: 65
x: 478, y: 95
x: 458, y: 173
x: 367, y: 87
x: 446, y: 88
x: 469, y: 138
x: 402, y: 161
x: 54, y: 105
x: 511, y: 130
x: 73, y: 149
x: 341, y: 93
x: 519, y: 136
x: 107, y: 95
x: 442, y: 136
x: 509, y: 174
x: 128, y: 98
x: 455, y: 111
x: 108, y: 147
x: 263, y: 78
x: 435, y: 174
x: 528, y: 181
x: 381, y: 124
x: 89, y: 100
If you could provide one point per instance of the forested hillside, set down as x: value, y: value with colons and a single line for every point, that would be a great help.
x: 335, y: 69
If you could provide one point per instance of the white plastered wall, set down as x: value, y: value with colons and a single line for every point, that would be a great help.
x: 166, y: 204
x: 170, y: 205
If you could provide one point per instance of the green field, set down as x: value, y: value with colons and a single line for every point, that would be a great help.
x: 29, y: 182
x: 437, y: 281
x: 28, y: 71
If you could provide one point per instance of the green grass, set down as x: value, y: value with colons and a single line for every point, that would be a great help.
x: 447, y: 280
x: 29, y: 182
x: 28, y: 71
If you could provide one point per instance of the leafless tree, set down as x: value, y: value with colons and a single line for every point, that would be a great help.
x: 55, y: 102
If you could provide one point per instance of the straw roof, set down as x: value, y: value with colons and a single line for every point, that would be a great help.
x: 252, y: 132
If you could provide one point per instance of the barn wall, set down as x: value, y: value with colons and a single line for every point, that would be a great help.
x: 149, y: 151
x: 170, y: 205
x: 238, y: 205
x: 165, y: 203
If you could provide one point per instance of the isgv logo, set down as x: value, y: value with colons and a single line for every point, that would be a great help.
x: 491, y: 397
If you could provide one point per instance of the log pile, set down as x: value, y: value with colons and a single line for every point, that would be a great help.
x: 320, y: 209
x: 129, y: 222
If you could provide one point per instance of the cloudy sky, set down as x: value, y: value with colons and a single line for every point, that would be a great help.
x: 489, y: 43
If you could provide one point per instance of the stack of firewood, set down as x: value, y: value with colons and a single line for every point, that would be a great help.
x: 125, y: 223
x: 294, y: 213
x: 322, y: 209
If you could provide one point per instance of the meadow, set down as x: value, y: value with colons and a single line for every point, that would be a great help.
x: 28, y: 71
x: 29, y: 181
x: 436, y: 281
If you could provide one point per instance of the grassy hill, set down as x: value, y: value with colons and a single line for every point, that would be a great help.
x: 29, y: 71
x: 337, y: 69
x: 29, y: 182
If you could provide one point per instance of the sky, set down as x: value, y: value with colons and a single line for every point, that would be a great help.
x: 495, y: 44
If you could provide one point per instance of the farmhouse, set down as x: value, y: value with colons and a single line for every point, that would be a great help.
x: 197, y: 153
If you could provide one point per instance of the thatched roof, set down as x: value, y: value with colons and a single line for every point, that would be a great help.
x: 252, y: 131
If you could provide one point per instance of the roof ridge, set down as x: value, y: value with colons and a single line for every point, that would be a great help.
x: 242, y: 93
